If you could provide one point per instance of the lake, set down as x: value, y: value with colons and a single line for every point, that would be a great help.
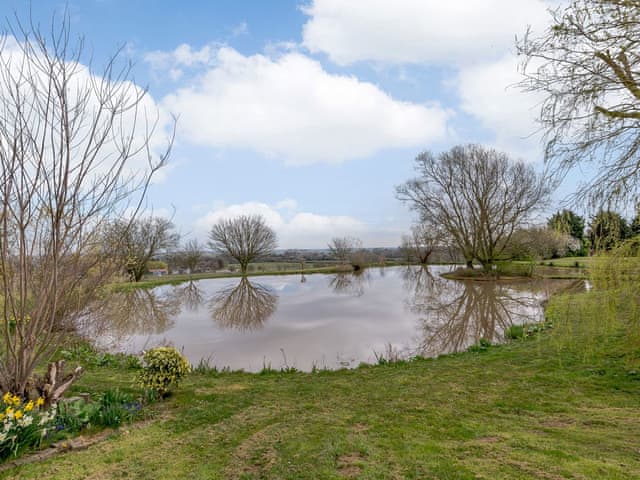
x: 319, y: 320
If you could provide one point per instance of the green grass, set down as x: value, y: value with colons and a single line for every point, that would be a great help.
x: 580, y: 262
x: 536, y: 408
x: 176, y: 279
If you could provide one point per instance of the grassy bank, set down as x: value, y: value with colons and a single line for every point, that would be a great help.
x: 537, y: 408
x: 557, y: 270
x: 176, y: 279
x: 265, y: 269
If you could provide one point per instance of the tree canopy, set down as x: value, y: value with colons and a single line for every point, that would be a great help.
x: 607, y: 230
x: 243, y: 238
x: 135, y: 242
x: 566, y: 221
x: 478, y: 196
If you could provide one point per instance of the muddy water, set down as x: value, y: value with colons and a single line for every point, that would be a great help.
x: 327, y: 321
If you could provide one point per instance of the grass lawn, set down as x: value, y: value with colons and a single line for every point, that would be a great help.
x: 530, y: 409
x: 572, y: 261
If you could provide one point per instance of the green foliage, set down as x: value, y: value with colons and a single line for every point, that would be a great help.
x: 510, y: 269
x: 518, y: 332
x: 607, y: 230
x: 162, y: 367
x: 73, y: 416
x: 481, y: 346
x: 85, y: 354
x: 514, y: 332
x: 112, y: 409
x: 204, y: 367
x: 566, y: 221
x: 611, y: 308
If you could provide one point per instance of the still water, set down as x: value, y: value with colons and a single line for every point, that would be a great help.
x: 326, y: 321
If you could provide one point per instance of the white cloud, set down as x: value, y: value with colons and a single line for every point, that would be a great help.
x: 290, y: 107
x: 182, y: 58
x: 418, y: 31
x: 140, y: 127
x: 295, y: 229
x: 241, y: 29
x: 489, y: 92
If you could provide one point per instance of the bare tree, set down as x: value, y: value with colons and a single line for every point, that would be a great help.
x: 343, y: 248
x: 478, y: 196
x: 243, y: 238
x: 191, y: 254
x: 587, y: 64
x: 135, y: 243
x: 424, y: 240
x: 71, y: 147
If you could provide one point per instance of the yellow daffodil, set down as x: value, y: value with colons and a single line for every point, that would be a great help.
x: 18, y: 414
x: 6, y: 398
x: 40, y: 401
x: 16, y: 400
x: 9, y: 411
x: 2, y: 417
x: 29, y: 406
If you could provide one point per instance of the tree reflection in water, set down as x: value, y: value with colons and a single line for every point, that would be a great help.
x: 138, y: 311
x: 189, y: 294
x: 243, y: 307
x: 456, y: 314
x: 352, y: 284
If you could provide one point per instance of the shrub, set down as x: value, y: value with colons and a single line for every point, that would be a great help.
x: 162, y: 367
x: 111, y: 410
x: 481, y: 346
x: 514, y: 332
x: 23, y: 424
x: 114, y: 409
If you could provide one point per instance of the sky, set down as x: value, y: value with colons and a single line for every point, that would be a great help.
x: 311, y: 112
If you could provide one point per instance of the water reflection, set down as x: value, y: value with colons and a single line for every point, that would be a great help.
x: 136, y: 312
x: 243, y: 307
x: 351, y: 284
x: 418, y: 280
x: 325, y: 320
x: 190, y: 295
x: 456, y: 314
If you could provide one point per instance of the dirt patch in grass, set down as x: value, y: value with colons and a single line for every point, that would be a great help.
x: 255, y: 455
x: 488, y: 439
x: 349, y: 465
x: 558, y: 422
x: 530, y: 469
x: 234, y: 387
x: 360, y: 427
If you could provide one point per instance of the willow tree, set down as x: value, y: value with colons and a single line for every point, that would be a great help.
x: 586, y: 66
x: 75, y: 149
x: 477, y: 196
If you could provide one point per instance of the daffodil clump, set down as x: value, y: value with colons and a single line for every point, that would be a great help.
x: 162, y: 367
x: 23, y: 423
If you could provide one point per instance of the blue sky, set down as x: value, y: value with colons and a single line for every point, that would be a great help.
x: 310, y: 112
